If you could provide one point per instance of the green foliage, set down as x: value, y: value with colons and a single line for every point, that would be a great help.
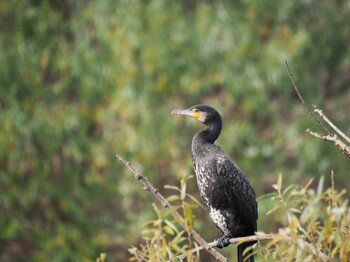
x: 316, y: 223
x: 164, y: 237
x: 83, y: 80
x: 102, y: 257
x: 314, y: 227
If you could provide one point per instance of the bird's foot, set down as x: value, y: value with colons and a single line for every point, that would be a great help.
x: 222, y: 242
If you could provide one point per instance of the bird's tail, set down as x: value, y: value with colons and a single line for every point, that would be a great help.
x: 248, y: 256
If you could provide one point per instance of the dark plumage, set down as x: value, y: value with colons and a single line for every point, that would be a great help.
x: 224, y: 188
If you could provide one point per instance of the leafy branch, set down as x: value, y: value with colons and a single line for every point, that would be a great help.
x: 286, y: 198
x: 149, y: 187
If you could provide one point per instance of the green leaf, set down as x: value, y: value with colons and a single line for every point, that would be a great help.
x: 183, y: 189
x: 189, y: 215
x: 272, y: 210
x: 196, y: 201
x: 279, y: 182
x: 171, y: 224
x: 278, y: 186
x: 172, y: 187
x: 294, y: 210
x: 320, y: 187
x: 103, y: 256
x: 308, y: 183
x: 168, y: 230
x: 172, y: 198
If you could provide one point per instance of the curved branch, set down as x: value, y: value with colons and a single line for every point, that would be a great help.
x: 148, y: 186
x: 330, y: 136
x: 303, y: 100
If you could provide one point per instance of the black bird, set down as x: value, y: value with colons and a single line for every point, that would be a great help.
x: 224, y: 188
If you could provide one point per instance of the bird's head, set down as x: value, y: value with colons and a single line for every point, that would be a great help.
x: 203, y: 113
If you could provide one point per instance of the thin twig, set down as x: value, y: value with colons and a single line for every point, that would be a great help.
x: 303, y: 100
x: 302, y: 244
x: 148, y: 186
x: 330, y: 123
x: 333, y: 138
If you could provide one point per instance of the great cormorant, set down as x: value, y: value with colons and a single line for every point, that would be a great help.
x: 224, y: 188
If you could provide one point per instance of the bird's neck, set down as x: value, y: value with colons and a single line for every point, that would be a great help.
x: 206, y: 136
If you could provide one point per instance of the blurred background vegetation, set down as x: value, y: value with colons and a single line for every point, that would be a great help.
x: 83, y: 80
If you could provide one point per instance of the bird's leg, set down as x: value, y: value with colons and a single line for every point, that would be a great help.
x: 222, y: 242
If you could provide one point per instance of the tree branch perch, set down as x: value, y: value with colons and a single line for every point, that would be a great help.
x: 302, y: 244
x: 148, y: 186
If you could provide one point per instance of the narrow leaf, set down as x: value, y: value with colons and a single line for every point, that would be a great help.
x: 172, y: 198
x: 320, y: 187
x: 188, y: 215
x: 183, y: 189
x: 279, y: 182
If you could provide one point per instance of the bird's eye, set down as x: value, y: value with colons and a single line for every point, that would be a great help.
x: 195, y: 110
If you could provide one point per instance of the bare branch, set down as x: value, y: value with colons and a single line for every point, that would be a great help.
x: 333, y: 138
x: 302, y: 244
x: 257, y: 237
x: 330, y: 136
x: 148, y: 186
x: 330, y: 123
x: 303, y: 100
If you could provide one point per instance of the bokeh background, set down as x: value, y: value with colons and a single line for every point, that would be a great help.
x: 81, y: 81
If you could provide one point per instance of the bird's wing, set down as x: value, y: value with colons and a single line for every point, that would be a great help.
x: 238, y: 190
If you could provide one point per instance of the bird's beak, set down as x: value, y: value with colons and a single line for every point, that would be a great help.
x: 185, y: 112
